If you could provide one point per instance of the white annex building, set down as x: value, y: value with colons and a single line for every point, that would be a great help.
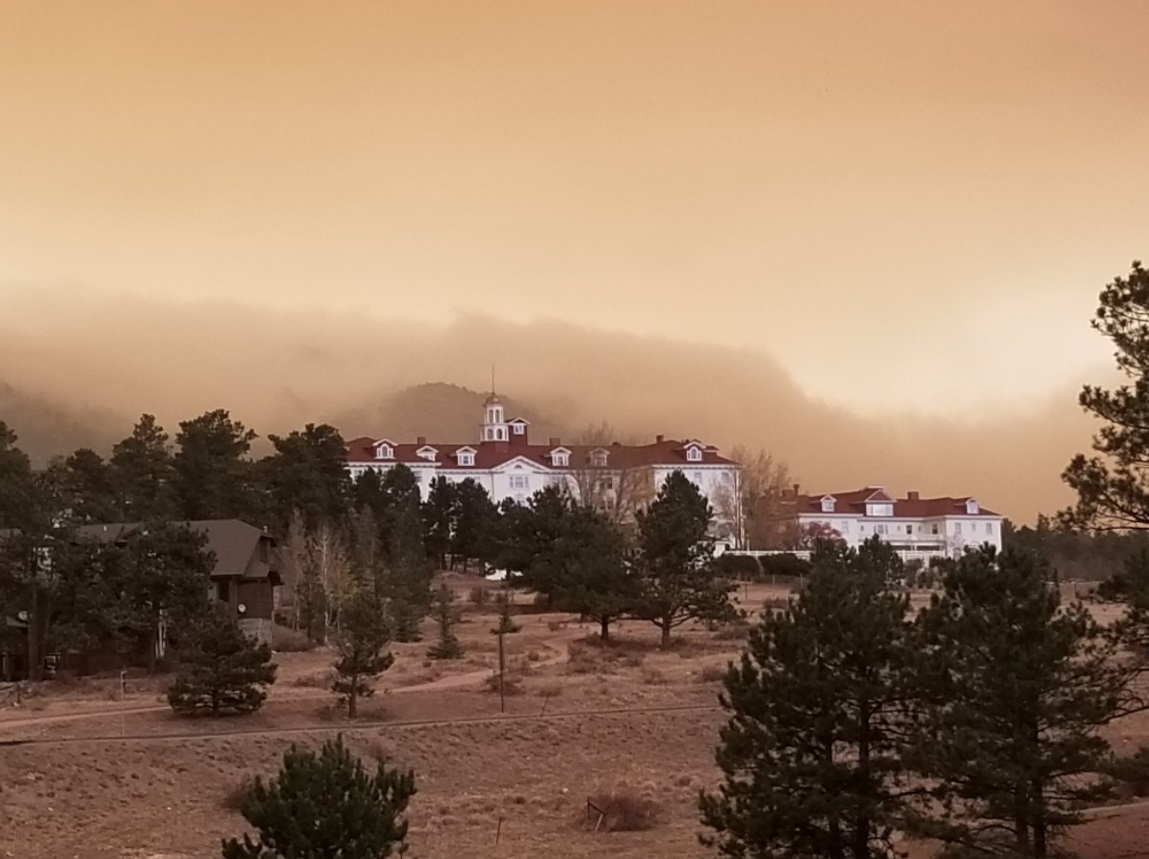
x: 505, y: 463
x: 916, y: 527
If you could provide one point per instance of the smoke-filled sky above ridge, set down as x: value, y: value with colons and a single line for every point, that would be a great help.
x: 909, y: 205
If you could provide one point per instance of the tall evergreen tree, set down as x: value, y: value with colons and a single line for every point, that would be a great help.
x: 812, y: 754
x: 440, y: 519
x: 307, y: 473
x: 597, y: 580
x: 1018, y: 688
x: 529, y: 538
x: 400, y: 490
x: 447, y: 647
x: 407, y: 580
x: 326, y: 806
x: 87, y: 487
x: 214, y: 479
x: 142, y: 473
x: 1113, y: 486
x: 222, y: 672
x: 361, y: 643
x: 476, y: 521
x: 677, y: 579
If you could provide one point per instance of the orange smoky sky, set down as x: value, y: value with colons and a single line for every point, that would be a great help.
x: 909, y: 206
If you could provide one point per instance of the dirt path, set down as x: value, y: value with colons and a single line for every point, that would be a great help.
x: 557, y: 644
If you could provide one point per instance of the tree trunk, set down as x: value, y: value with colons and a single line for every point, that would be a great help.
x: 605, y: 625
x: 665, y: 644
x: 151, y: 650
x: 1039, y: 825
x: 862, y: 823
x: 352, y: 697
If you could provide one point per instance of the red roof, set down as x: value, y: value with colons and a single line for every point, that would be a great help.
x: 491, y: 454
x: 853, y: 503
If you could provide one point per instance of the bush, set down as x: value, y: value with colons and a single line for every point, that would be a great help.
x: 284, y: 639
x: 344, y: 806
x: 236, y: 796
x: 512, y: 684
x: 621, y: 810
x: 479, y: 595
x: 1132, y: 772
x: 712, y: 674
x: 738, y: 566
x: 225, y: 673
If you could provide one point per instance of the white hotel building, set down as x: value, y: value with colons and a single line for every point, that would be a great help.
x: 916, y: 527
x: 505, y: 463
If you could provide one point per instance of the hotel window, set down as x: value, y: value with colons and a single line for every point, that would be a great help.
x: 909, y: 529
x: 881, y: 528
x: 957, y: 527
x: 466, y: 459
x: 561, y: 460
x: 598, y: 458
x: 696, y: 477
x: 519, y: 428
x: 383, y: 452
x: 519, y: 481
x: 693, y: 454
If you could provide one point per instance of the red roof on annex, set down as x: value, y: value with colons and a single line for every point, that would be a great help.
x: 853, y: 503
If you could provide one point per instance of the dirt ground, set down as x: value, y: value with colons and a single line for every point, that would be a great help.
x: 101, y: 778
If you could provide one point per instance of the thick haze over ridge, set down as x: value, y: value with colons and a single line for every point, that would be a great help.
x: 746, y: 220
x: 276, y: 370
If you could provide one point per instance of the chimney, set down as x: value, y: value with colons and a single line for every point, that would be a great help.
x: 421, y: 440
x: 554, y: 441
x: 658, y: 439
x: 913, y: 496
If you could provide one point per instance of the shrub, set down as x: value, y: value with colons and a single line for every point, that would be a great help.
x: 237, y: 794
x: 345, y: 807
x: 1131, y: 772
x: 512, y: 683
x: 653, y: 677
x: 712, y: 674
x: 284, y: 639
x: 225, y: 672
x: 621, y: 810
x: 479, y: 595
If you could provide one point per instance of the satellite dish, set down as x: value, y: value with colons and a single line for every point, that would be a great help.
x: 241, y: 608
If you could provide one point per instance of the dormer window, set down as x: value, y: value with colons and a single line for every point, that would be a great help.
x: 560, y: 457
x: 598, y: 458
x: 518, y: 427
x: 694, y: 454
x: 971, y: 507
x: 827, y: 504
x: 384, y: 451
x: 465, y: 456
x: 427, y: 453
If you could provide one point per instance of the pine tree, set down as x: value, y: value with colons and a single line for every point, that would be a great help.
x: 407, y: 577
x: 811, y: 754
x: 476, y: 522
x: 326, y: 806
x: 307, y: 475
x: 597, y: 579
x: 361, y: 643
x: 448, y: 646
x: 1017, y: 687
x: 440, y: 514
x: 677, y: 579
x: 213, y: 477
x: 142, y: 473
x: 507, y: 625
x: 223, y: 673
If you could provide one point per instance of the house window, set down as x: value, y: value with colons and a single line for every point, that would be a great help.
x: 519, y: 481
x: 606, y: 483
x: 844, y: 528
x: 989, y: 527
x: 693, y: 454
x: 466, y: 459
x: 223, y: 590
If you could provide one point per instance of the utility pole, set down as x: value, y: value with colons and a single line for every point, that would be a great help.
x: 502, y: 698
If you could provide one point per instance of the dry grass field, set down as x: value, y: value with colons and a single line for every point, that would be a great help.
x: 101, y: 778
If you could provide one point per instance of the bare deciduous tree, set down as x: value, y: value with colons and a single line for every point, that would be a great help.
x: 601, y: 478
x: 757, y: 505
